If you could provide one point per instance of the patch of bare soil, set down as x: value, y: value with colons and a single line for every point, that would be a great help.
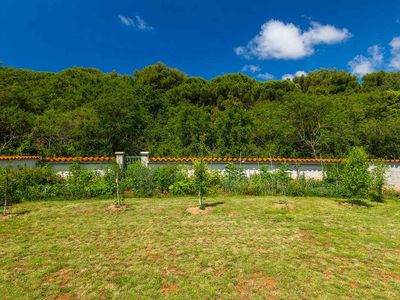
x: 114, y: 208
x: 284, y: 206
x: 263, y: 250
x: 219, y: 272
x: 65, y: 297
x: 5, y: 217
x: 198, y: 211
x: 328, y: 274
x: 153, y: 256
x: 12, y: 214
x: 61, y: 277
x: 172, y: 271
x: 394, y: 276
x: 22, y: 269
x: 254, y: 283
x: 305, y: 236
x: 169, y: 288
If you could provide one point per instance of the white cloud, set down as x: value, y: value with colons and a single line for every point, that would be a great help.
x: 142, y: 25
x: 281, y: 40
x: 395, y: 51
x: 265, y: 76
x: 251, y: 68
x: 126, y: 21
x: 361, y: 65
x: 291, y: 76
x: 138, y: 23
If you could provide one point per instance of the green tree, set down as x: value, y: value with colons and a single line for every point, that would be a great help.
x: 7, y: 188
x: 325, y: 81
x: 356, y: 178
x: 200, y: 180
x: 159, y: 77
x: 233, y: 130
x: 378, y: 180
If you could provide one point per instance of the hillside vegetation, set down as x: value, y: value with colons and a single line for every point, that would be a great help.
x: 84, y: 112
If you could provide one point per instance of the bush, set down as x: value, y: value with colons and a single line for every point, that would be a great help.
x: 377, y: 181
x: 82, y: 183
x: 169, y: 175
x: 355, y: 176
x: 232, y: 177
x: 7, y: 188
x: 181, y: 188
x: 275, y: 182
x: 36, y: 184
x: 140, y: 180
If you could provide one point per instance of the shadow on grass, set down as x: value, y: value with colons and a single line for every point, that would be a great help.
x: 357, y: 202
x: 213, y: 204
x: 18, y: 213
x: 13, y: 214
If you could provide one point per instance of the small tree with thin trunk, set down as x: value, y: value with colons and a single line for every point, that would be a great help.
x: 200, y: 180
x: 6, y: 188
x: 118, y: 170
x: 355, y: 175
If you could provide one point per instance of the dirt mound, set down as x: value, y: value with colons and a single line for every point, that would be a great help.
x: 284, y: 206
x: 113, y: 207
x: 198, y: 211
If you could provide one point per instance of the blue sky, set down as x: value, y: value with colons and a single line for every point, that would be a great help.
x: 202, y: 38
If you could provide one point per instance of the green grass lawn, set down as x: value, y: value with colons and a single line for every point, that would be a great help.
x: 244, y: 248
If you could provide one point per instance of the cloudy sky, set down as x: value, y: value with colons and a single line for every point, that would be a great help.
x: 265, y: 39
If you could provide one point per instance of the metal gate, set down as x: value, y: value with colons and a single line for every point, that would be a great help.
x: 129, y: 160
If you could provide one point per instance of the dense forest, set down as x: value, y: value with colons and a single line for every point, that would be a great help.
x: 85, y: 112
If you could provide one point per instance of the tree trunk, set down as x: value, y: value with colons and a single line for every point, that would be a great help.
x: 5, y: 206
x: 200, y: 200
x: 118, y: 198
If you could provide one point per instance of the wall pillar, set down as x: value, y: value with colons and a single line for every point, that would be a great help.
x: 120, y: 158
x: 144, y: 158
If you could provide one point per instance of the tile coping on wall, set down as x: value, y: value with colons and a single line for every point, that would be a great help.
x: 189, y: 159
x: 256, y: 159
x: 18, y: 157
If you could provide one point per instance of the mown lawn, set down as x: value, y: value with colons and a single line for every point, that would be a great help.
x: 244, y: 248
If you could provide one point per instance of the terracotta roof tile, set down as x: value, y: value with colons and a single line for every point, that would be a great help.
x: 18, y: 157
x: 67, y: 159
x: 248, y: 159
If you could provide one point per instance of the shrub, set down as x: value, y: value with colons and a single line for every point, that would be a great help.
x: 181, y: 188
x: 169, y: 175
x: 355, y: 176
x: 7, y: 188
x: 140, y: 179
x: 232, y: 177
x: 377, y: 181
x: 297, y: 187
x: 36, y: 184
x: 82, y: 183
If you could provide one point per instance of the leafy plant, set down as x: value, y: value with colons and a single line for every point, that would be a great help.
x: 355, y: 176
x: 233, y: 176
x: 377, y: 181
x: 7, y: 188
x: 182, y: 187
x: 168, y: 175
x: 200, y: 180
x: 140, y: 180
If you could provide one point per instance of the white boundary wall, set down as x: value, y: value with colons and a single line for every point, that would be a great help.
x: 310, y: 170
